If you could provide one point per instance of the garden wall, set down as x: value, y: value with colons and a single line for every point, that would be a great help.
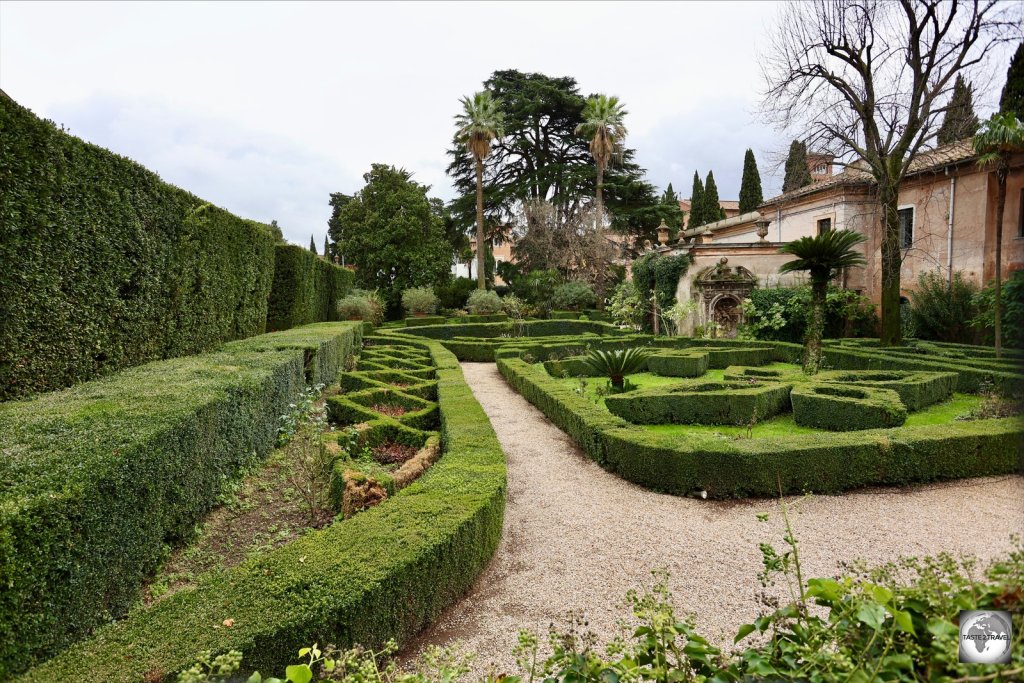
x: 306, y: 288
x: 96, y: 480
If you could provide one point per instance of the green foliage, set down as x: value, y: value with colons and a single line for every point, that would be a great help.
x: 696, y: 203
x: 751, y: 196
x: 383, y: 574
x: 702, y: 402
x: 484, y: 302
x: 143, y: 454
x: 1011, y: 99
x: 312, y: 245
x: 452, y: 295
x: 712, y: 210
x: 394, y: 235
x: 1013, y: 310
x: 846, y: 408
x: 306, y: 289
x: 656, y: 273
x: 943, y: 310
x: 616, y: 364
x: 357, y: 307
x: 797, y: 173
x: 824, y: 255
x: 537, y: 287
x: 603, y: 126
x: 780, y: 314
x: 419, y: 301
x: 627, y: 306
x: 107, y: 267
x: 573, y: 296
x: 960, y: 121
x: 916, y: 390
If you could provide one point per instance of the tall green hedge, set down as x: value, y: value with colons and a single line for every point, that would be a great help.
x: 105, y: 266
x: 96, y: 480
x: 306, y: 288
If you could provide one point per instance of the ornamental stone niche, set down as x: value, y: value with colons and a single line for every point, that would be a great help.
x: 720, y: 291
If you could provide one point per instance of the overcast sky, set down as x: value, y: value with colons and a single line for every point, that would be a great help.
x: 266, y: 108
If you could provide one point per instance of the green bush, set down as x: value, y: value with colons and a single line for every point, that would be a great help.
x: 573, y: 296
x: 1013, y: 311
x: 715, y: 403
x: 107, y: 267
x: 453, y: 295
x: 678, y: 363
x: 942, y: 310
x: 483, y: 302
x: 564, y: 315
x: 419, y: 301
x: 916, y: 390
x: 355, y: 307
x: 306, y: 288
x: 844, y: 408
x: 780, y: 314
x: 425, y: 320
x: 385, y: 573
x: 141, y: 456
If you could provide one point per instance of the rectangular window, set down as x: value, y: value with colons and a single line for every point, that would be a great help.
x: 906, y: 220
x: 824, y: 225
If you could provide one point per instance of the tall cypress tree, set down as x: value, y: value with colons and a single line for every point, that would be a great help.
x: 696, y: 203
x: 1012, y: 98
x: 712, y: 210
x: 960, y: 120
x: 312, y: 244
x: 798, y: 173
x: 750, y: 186
x: 327, y: 247
x: 669, y: 195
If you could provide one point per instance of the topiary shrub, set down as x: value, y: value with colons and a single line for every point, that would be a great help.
x: 725, y: 403
x: 483, y: 302
x: 678, y: 363
x: 846, y: 408
x: 573, y: 296
x: 419, y: 301
x: 915, y: 389
x: 452, y: 295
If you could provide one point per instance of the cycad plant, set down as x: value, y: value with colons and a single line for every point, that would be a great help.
x: 603, y: 126
x: 822, y: 257
x: 617, y: 364
x: 479, y: 123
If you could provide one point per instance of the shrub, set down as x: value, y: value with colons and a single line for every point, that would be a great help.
x: 452, y: 295
x: 616, y: 364
x: 843, y: 408
x: 143, y: 454
x: 626, y: 307
x: 717, y: 403
x: 573, y: 296
x: 943, y: 311
x: 355, y: 307
x: 514, y: 307
x: 916, y: 390
x: 1013, y: 311
x: 419, y: 301
x: 781, y: 313
x: 425, y: 320
x: 483, y: 302
x: 306, y: 288
x: 107, y: 267
x: 537, y: 287
x: 678, y: 363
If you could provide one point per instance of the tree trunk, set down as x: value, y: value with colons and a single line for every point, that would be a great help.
x: 1001, y: 173
x: 600, y: 196
x: 816, y: 326
x: 892, y: 258
x: 481, y: 282
x: 618, y: 381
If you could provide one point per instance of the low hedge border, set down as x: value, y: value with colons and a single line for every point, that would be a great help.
x: 727, y: 468
x: 419, y: 321
x: 697, y: 402
x: 678, y: 363
x: 847, y: 407
x: 916, y: 390
x: 97, y: 479
x: 385, y: 573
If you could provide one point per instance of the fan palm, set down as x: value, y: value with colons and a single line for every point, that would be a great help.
x: 999, y: 137
x: 822, y: 257
x: 603, y: 126
x: 617, y: 364
x: 479, y: 123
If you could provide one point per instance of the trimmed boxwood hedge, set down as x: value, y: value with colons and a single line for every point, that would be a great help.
x: 96, y: 480
x: 105, y: 266
x: 846, y: 408
x: 419, y: 321
x: 678, y: 363
x: 723, y: 468
x: 306, y: 288
x: 697, y: 402
x: 385, y: 573
x: 916, y: 390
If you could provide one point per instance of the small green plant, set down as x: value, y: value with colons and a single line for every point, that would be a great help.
x: 573, y: 296
x: 419, y: 301
x: 618, y: 363
x: 484, y: 302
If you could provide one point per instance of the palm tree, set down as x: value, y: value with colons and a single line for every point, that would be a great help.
x: 999, y: 137
x: 616, y: 364
x: 602, y: 124
x: 479, y: 123
x: 822, y: 257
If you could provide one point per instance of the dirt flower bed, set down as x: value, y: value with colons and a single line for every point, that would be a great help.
x: 390, y: 410
x: 392, y: 453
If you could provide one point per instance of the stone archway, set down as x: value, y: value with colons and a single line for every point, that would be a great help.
x: 722, y: 290
x: 726, y: 314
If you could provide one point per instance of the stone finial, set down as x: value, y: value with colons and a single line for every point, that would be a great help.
x: 662, y: 233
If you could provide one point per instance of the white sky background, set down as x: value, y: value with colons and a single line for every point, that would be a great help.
x: 266, y: 108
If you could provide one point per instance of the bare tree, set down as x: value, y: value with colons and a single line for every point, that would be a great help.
x: 871, y: 79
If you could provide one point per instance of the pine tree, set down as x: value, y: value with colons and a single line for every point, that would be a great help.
x: 669, y: 195
x: 1012, y: 98
x: 327, y: 247
x: 312, y: 244
x: 750, y: 186
x: 696, y: 203
x: 712, y: 210
x: 960, y: 121
x: 798, y: 173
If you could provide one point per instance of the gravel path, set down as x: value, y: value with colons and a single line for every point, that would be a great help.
x: 577, y: 537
